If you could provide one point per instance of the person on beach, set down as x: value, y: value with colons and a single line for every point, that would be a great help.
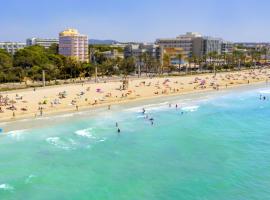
x: 118, y: 131
x: 176, y: 106
x: 109, y: 107
x: 41, y: 111
x: 77, y: 107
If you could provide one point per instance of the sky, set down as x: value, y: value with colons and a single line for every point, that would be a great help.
x: 136, y: 20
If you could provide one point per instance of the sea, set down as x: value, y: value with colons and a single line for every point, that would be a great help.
x: 203, y: 146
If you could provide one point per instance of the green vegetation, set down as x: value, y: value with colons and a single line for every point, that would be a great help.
x: 28, y: 63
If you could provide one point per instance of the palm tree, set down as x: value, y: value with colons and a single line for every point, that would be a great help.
x: 265, y: 52
x: 180, y: 57
x: 166, y: 62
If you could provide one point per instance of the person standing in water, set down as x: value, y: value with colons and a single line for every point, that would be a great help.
x: 143, y: 111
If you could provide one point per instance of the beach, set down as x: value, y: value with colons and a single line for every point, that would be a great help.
x: 214, y: 145
x: 37, y: 102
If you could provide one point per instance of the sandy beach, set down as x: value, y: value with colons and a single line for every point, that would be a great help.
x: 38, y: 102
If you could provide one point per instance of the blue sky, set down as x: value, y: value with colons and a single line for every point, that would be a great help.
x: 136, y: 20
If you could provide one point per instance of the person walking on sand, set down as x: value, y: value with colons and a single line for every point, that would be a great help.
x: 41, y: 111
x: 77, y: 107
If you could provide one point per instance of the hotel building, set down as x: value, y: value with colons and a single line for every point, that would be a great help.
x: 185, y: 42
x: 41, y: 42
x: 12, y: 47
x: 194, y: 44
x: 72, y: 44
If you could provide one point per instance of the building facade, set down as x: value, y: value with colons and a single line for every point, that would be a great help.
x: 73, y: 44
x: 185, y: 42
x: 194, y: 44
x: 12, y: 47
x: 227, y: 47
x: 138, y: 50
x: 41, y: 42
x: 113, y: 54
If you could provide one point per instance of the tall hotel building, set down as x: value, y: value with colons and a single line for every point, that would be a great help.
x: 72, y: 44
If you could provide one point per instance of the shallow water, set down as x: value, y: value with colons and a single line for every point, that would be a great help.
x: 214, y: 146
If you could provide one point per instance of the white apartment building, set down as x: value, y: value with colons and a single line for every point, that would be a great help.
x: 12, y: 47
x: 41, y: 42
x: 73, y: 44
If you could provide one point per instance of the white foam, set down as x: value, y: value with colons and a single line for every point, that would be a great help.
x: 29, y: 179
x: 6, y: 187
x: 85, y: 133
x: 158, y: 106
x: 53, y: 140
x: 17, y: 134
x: 265, y: 91
x: 56, y: 141
x: 102, y: 140
x: 190, y: 108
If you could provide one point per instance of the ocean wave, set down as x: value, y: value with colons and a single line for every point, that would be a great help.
x: 17, y: 134
x: 85, y: 133
x: 29, y: 179
x: 57, y: 142
x: 265, y: 92
x: 6, y: 187
x: 190, y: 108
x: 157, y: 106
x: 102, y: 140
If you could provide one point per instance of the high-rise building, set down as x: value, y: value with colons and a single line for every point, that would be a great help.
x: 205, y: 45
x: 185, y: 42
x: 227, y: 47
x: 194, y: 44
x: 12, y: 47
x: 73, y: 44
x: 41, y: 42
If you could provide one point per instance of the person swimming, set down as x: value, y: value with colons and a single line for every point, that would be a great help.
x: 118, y: 130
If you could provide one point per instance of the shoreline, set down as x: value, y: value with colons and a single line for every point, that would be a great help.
x: 125, y: 101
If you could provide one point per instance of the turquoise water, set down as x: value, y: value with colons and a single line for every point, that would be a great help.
x: 219, y: 148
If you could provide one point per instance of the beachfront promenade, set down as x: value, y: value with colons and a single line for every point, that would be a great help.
x: 72, y: 97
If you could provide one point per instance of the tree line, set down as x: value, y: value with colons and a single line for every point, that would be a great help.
x: 28, y: 63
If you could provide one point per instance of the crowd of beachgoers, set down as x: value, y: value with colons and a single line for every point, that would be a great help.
x: 38, y: 102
